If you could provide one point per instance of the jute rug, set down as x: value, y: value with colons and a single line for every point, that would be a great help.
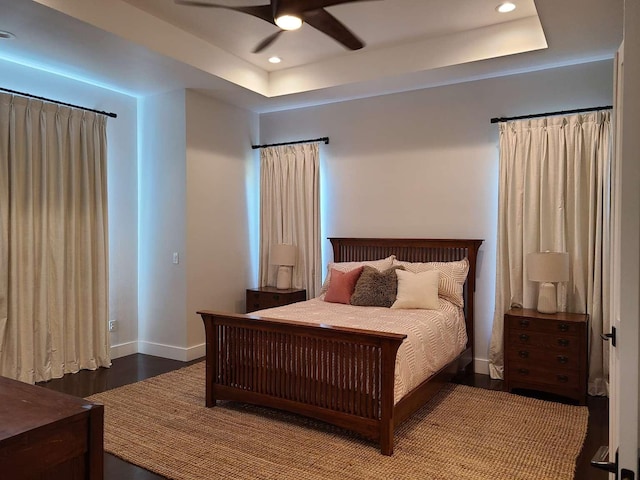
x: 469, y: 433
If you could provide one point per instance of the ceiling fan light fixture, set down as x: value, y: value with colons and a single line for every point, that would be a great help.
x: 506, y: 7
x: 274, y: 59
x: 288, y: 22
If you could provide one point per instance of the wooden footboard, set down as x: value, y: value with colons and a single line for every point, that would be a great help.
x: 339, y: 375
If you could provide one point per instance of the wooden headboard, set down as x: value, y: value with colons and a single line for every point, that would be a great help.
x: 416, y: 250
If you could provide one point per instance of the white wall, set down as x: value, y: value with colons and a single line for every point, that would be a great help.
x: 162, y: 223
x: 221, y: 200
x: 121, y: 177
x: 195, y: 160
x: 425, y: 163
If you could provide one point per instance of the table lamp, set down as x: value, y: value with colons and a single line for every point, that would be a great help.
x: 284, y: 256
x: 548, y: 268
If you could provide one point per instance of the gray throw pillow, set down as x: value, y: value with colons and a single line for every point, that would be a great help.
x: 375, y: 288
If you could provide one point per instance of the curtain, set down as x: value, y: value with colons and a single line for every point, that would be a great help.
x: 554, y: 194
x: 290, y: 212
x: 53, y: 240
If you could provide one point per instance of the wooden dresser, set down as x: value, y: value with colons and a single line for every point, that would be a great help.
x: 269, y: 297
x: 546, y: 352
x: 48, y: 435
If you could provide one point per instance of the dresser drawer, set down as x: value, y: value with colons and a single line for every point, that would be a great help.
x: 265, y: 300
x: 524, y: 372
x: 268, y: 297
x: 537, y: 357
x: 546, y: 326
x: 562, y: 343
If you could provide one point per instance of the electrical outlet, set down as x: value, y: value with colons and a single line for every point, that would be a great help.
x: 113, y: 325
x: 176, y: 258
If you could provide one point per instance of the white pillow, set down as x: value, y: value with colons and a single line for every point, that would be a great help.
x: 380, y: 265
x: 452, y: 277
x: 417, y: 290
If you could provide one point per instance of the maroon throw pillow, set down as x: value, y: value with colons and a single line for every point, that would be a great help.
x: 342, y: 285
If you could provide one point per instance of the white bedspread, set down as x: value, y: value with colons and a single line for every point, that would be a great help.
x: 434, y: 337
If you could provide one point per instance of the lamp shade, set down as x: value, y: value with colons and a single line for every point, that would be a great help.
x: 283, y: 254
x: 548, y: 266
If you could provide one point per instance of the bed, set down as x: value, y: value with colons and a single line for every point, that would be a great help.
x: 340, y: 375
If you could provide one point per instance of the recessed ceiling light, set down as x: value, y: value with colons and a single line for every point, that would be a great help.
x: 289, y: 22
x: 6, y: 35
x: 506, y: 7
x: 275, y: 59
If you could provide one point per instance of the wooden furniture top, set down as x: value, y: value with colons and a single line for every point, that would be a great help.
x: 24, y: 409
x: 561, y: 316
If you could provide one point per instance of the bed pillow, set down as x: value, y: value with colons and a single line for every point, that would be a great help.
x: 452, y: 277
x: 417, y: 290
x: 342, y: 285
x: 380, y: 265
x: 375, y: 288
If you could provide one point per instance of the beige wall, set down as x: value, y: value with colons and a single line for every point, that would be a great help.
x: 425, y: 163
x: 219, y: 198
x: 194, y: 201
x: 162, y: 223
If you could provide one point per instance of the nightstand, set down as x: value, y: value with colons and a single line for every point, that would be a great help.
x: 268, y: 297
x: 546, y: 352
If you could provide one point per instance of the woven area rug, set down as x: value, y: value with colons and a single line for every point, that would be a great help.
x: 470, y: 433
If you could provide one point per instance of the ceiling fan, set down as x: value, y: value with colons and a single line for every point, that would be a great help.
x: 291, y: 14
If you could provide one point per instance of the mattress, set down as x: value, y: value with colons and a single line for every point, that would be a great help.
x: 434, y: 337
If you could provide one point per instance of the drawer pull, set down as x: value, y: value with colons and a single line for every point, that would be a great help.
x: 524, y: 337
x: 562, y: 359
x: 523, y: 371
x: 563, y: 342
x: 276, y: 297
x: 256, y: 305
x: 523, y: 354
x: 524, y: 323
x: 562, y: 378
x: 563, y: 327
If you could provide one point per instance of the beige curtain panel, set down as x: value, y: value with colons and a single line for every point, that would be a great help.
x: 554, y: 194
x: 53, y: 240
x: 290, y: 212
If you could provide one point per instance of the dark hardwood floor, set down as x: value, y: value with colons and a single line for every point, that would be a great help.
x: 134, y: 368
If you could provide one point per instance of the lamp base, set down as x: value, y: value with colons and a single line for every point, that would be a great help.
x: 547, y: 298
x: 283, y: 280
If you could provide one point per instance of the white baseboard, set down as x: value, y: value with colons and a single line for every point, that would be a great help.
x: 123, y: 349
x: 481, y: 365
x: 171, y: 351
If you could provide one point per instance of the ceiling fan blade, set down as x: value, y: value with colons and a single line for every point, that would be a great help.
x: 267, y: 41
x: 264, y: 12
x: 316, y: 4
x: 329, y: 25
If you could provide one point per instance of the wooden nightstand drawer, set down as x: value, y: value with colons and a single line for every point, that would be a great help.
x: 546, y: 352
x: 269, y: 297
x: 522, y: 371
x: 543, y: 340
x: 545, y: 326
x: 533, y: 356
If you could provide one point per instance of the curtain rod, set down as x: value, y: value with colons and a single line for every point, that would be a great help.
x: 322, y: 139
x: 548, y: 114
x: 23, y: 94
